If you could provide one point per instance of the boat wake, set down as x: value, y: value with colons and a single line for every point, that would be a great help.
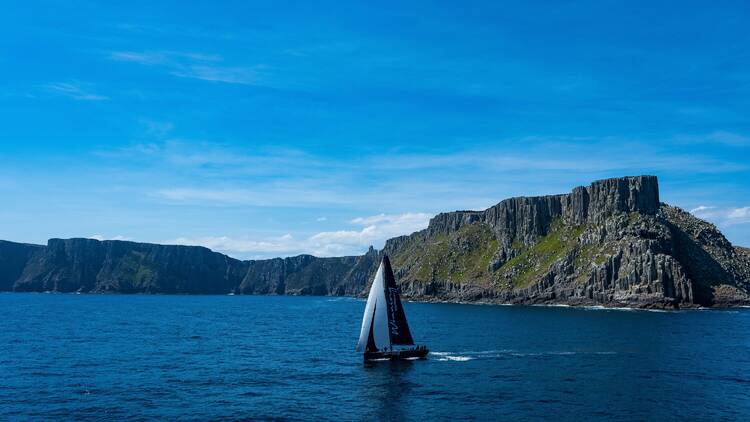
x: 447, y: 356
x: 505, y: 353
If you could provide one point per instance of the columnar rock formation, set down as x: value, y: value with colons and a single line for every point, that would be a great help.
x: 611, y: 243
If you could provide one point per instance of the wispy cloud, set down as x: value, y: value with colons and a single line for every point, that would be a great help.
x: 157, y: 129
x: 555, y: 154
x: 286, y: 194
x: 218, y: 175
x: 730, y: 138
x: 75, y: 90
x: 215, y: 179
x: 230, y: 75
x: 138, y: 57
x: 374, y: 230
x: 194, y: 65
x: 720, y: 137
x: 165, y: 57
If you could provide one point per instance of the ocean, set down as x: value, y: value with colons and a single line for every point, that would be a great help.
x: 146, y: 357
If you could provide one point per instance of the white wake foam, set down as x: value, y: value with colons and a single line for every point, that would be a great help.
x: 464, y: 356
x: 448, y: 356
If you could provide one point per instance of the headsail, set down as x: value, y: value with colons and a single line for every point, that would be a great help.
x: 398, y: 328
x: 374, y: 330
x: 384, y: 322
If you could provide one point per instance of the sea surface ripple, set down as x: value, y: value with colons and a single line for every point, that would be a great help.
x: 140, y: 357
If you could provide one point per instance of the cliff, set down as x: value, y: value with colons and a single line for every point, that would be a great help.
x: 611, y: 243
x: 92, y: 266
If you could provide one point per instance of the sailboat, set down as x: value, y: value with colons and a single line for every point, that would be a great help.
x: 384, y: 322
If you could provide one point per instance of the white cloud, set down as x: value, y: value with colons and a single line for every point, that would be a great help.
x: 739, y: 213
x: 702, y: 210
x: 723, y: 216
x: 270, y: 247
x: 74, y: 90
x: 406, y: 221
x: 377, y: 229
x: 102, y: 237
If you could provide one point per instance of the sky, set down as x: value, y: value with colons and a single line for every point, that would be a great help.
x: 263, y: 129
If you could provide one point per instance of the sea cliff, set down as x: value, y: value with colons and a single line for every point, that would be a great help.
x: 611, y: 243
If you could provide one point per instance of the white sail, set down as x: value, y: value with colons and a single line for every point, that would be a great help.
x: 375, y: 315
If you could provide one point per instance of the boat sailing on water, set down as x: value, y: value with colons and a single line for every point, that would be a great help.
x: 384, y: 322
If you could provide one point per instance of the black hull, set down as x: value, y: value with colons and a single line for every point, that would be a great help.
x: 398, y: 354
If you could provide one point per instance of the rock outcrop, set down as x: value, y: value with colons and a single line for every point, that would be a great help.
x: 612, y: 243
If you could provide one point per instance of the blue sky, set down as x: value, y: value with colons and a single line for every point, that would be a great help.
x: 272, y: 128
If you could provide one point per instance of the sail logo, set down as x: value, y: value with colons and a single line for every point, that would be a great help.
x: 393, y: 296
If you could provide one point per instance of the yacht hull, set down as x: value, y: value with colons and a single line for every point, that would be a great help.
x: 397, y: 354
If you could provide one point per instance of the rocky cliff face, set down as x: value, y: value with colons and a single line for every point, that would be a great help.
x: 308, y: 275
x: 611, y: 243
x: 13, y: 260
x: 87, y: 265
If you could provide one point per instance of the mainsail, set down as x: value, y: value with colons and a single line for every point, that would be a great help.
x: 398, y: 328
x: 384, y: 322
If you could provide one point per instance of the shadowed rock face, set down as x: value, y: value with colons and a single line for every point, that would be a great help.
x: 13, y: 260
x: 611, y: 243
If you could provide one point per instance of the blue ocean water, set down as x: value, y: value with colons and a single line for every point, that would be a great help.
x: 97, y: 357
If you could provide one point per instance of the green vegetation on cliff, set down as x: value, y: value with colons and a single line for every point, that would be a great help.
x: 534, y: 261
x: 138, y: 267
x: 463, y: 256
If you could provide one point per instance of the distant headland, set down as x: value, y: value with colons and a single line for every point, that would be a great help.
x: 612, y: 243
